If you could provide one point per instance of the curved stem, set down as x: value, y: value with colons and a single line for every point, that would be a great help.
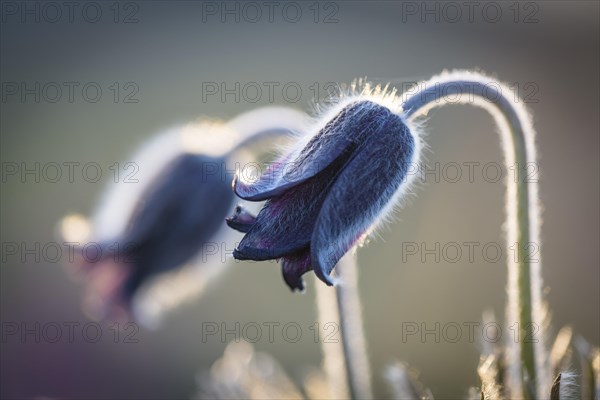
x: 527, y: 355
x: 264, y: 123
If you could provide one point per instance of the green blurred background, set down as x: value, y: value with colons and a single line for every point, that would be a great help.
x: 551, y: 53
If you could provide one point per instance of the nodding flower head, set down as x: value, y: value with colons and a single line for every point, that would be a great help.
x: 168, y: 222
x: 176, y: 216
x: 158, y: 224
x: 324, y: 197
x: 181, y: 210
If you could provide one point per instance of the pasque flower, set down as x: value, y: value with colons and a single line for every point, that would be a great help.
x: 178, y: 213
x: 325, y: 196
x: 171, y: 213
x: 157, y: 224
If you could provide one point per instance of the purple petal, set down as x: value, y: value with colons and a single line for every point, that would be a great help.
x: 241, y: 221
x: 363, y: 188
x: 293, y: 267
x: 178, y: 213
x: 285, y: 224
x: 321, y: 151
x: 269, y: 184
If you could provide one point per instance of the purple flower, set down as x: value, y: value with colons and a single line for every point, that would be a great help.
x: 156, y: 235
x: 325, y: 197
x: 180, y: 211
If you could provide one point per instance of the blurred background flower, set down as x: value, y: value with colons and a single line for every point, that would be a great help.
x: 170, y: 215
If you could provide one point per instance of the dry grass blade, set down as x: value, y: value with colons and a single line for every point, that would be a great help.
x: 474, y: 393
x: 561, y: 350
x: 243, y: 374
x: 488, y: 373
x: 317, y: 386
x: 555, y: 391
x: 404, y: 383
x: 589, y: 375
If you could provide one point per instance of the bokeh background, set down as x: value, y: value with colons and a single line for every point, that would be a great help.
x: 549, y: 51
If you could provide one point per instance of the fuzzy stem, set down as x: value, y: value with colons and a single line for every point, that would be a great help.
x: 333, y: 364
x: 527, y: 359
x: 351, y: 328
x: 266, y: 123
x: 345, y: 362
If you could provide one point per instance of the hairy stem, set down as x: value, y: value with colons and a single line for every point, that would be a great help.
x: 351, y: 328
x: 266, y: 123
x: 333, y: 364
x: 527, y: 356
x: 345, y: 361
